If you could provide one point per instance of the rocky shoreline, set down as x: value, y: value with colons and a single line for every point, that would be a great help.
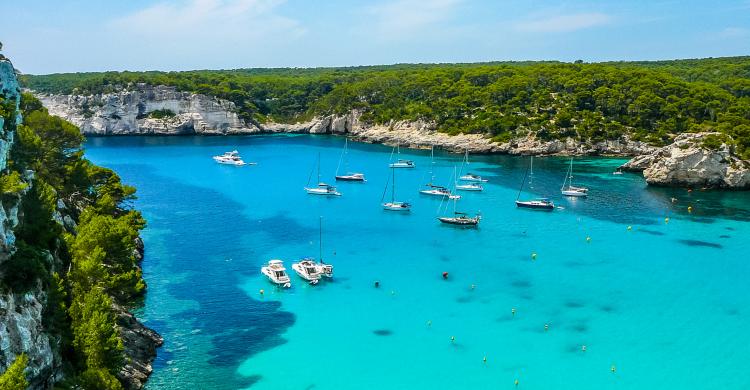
x: 128, y: 113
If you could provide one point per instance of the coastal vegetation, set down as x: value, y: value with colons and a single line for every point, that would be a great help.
x: 647, y: 101
x: 77, y: 240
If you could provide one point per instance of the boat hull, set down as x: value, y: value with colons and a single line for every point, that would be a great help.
x: 575, y: 194
x: 535, y: 206
x: 459, y: 221
x: 300, y: 270
x: 396, y: 206
x: 469, y: 188
x: 318, y: 191
x: 404, y: 166
x: 473, y: 179
x: 350, y: 178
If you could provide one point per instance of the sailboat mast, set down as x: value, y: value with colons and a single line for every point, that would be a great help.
x: 393, y: 188
x: 524, y: 180
x: 320, y: 239
x: 318, y: 167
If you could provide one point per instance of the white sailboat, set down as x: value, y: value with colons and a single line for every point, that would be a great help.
x: 348, y: 176
x: 323, y: 268
x: 436, y: 190
x: 394, y: 205
x: 568, y: 189
x: 322, y: 188
x: 400, y: 163
x: 469, y: 177
x: 534, y: 204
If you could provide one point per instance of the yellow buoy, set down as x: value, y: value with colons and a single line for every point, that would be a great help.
x: 666, y: 220
x: 516, y: 382
x: 690, y: 209
x: 630, y: 227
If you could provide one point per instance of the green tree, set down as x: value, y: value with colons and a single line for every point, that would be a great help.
x: 14, y: 377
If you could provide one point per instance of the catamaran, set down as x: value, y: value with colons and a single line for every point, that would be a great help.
x: 571, y: 190
x: 321, y: 188
x: 349, y: 176
x: 400, y: 163
x: 535, y: 204
x: 231, y: 158
x: 394, y: 205
x: 276, y: 273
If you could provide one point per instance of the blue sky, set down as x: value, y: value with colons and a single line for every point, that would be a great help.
x: 49, y: 36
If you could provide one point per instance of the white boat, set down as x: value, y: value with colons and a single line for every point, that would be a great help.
x: 470, y: 177
x: 617, y: 172
x: 231, y: 158
x: 307, y: 269
x: 394, y: 205
x: 322, y: 188
x: 534, y: 204
x: 349, y: 176
x: 276, y: 273
x: 459, y: 218
x: 434, y: 190
x: 401, y: 163
x: 568, y: 189
x: 471, y: 186
x: 321, y: 267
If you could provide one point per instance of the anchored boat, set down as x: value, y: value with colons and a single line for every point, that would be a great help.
x: 276, y: 273
x: 307, y: 269
x: 568, y: 189
x: 534, y: 204
x: 349, y: 176
x: 460, y: 218
x: 394, y: 205
x: 400, y: 163
x: 231, y: 158
x: 321, y: 188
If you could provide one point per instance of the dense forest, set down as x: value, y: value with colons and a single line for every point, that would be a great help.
x: 649, y: 101
x: 84, y: 268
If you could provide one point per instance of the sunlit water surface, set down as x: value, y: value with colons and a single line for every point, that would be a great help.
x: 663, y: 305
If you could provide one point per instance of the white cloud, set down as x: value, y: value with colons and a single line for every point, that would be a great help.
x: 398, y: 17
x: 564, y: 23
x: 183, y: 28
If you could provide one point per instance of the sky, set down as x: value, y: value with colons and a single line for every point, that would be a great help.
x: 53, y: 36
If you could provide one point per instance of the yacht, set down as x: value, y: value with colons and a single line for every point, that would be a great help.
x: 400, y: 163
x: 322, y: 268
x: 321, y: 188
x: 307, y: 269
x: 276, y: 273
x: 435, y: 190
x: 568, y: 189
x: 534, y: 204
x: 470, y: 177
x: 394, y: 205
x: 351, y: 176
x: 461, y: 219
x: 471, y: 186
x: 231, y: 158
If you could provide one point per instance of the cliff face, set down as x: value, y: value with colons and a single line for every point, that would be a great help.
x: 21, y: 329
x: 127, y: 112
x: 687, y: 162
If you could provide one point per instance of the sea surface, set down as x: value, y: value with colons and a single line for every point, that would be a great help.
x: 627, y: 289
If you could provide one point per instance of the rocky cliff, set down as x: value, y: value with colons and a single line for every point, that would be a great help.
x: 690, y: 162
x: 22, y: 327
x: 131, y: 112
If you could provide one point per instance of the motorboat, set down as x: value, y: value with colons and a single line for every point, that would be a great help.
x: 568, y: 189
x: 323, y: 189
x: 394, y: 205
x: 351, y: 176
x: 538, y: 204
x: 231, y: 158
x: 617, y: 172
x: 276, y: 273
x: 461, y: 219
x: 307, y: 269
x: 403, y: 164
x: 473, y: 178
x: 471, y: 186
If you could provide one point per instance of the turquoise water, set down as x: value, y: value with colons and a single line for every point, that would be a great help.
x: 666, y: 304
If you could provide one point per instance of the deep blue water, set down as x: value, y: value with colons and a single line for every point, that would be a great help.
x: 666, y: 303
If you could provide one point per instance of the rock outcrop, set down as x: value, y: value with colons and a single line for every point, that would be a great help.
x: 131, y: 112
x: 688, y: 162
x: 140, y: 349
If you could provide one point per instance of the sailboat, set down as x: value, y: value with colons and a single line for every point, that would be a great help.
x: 470, y: 177
x: 571, y: 190
x: 460, y: 218
x: 435, y: 190
x: 536, y: 204
x: 321, y: 188
x: 323, y: 268
x: 401, y: 163
x: 394, y: 205
x: 349, y: 176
